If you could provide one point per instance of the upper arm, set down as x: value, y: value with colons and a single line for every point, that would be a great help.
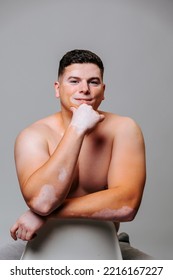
x: 31, y: 152
x: 127, y: 169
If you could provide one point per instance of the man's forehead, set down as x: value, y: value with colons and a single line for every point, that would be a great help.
x: 76, y: 69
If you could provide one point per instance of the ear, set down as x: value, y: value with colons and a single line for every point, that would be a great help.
x: 56, y: 86
x: 104, y: 86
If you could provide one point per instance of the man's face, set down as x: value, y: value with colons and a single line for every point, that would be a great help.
x: 80, y: 83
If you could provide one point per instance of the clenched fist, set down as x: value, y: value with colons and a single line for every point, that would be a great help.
x: 85, y: 118
x: 27, y: 225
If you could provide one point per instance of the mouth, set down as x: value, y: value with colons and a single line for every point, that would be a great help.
x: 83, y: 100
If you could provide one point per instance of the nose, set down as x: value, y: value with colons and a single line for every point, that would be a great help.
x: 84, y: 87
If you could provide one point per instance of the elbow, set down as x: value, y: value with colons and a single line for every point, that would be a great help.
x: 41, y: 209
x: 124, y: 214
x: 128, y: 214
x: 128, y: 211
x: 45, y: 202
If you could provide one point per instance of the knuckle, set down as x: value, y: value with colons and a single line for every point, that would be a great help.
x: 29, y: 235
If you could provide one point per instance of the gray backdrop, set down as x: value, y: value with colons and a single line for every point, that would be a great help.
x: 135, y: 40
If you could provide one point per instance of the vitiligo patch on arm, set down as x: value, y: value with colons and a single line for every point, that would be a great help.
x: 45, y: 199
x: 125, y: 213
x: 62, y: 175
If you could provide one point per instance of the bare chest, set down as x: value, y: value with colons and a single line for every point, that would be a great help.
x: 91, y: 171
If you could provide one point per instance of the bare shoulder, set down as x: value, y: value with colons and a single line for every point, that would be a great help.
x: 32, y: 147
x: 123, y: 127
x: 39, y: 129
x: 38, y: 132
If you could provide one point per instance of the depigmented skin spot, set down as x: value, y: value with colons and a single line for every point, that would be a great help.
x: 45, y: 199
x: 116, y: 215
x: 62, y: 175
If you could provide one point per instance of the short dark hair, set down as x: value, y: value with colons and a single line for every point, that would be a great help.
x: 79, y: 56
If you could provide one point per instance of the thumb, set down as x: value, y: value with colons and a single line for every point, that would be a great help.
x: 73, y: 109
x: 102, y: 117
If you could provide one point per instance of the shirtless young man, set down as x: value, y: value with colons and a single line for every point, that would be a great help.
x: 79, y: 162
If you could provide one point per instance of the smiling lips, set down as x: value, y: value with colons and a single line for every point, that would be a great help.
x: 83, y: 100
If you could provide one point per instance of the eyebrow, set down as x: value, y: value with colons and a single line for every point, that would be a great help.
x: 76, y: 77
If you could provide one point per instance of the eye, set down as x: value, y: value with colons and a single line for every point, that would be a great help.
x: 94, y: 82
x: 73, y: 81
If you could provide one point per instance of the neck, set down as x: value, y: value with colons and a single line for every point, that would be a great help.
x: 66, y: 117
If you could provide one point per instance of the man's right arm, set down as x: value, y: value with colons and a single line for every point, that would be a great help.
x: 46, y: 179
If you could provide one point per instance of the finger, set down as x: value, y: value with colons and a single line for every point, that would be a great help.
x: 23, y: 234
x: 13, y: 231
x: 19, y: 233
x: 30, y: 235
x: 73, y: 109
x: 13, y: 235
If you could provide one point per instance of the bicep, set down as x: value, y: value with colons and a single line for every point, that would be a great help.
x: 127, y: 167
x: 31, y: 152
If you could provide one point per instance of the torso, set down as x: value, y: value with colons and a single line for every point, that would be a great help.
x: 91, y: 171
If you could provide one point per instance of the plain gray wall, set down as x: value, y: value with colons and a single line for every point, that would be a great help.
x: 135, y: 40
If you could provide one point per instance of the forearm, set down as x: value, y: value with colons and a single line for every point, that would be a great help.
x: 46, y: 189
x: 103, y: 205
x: 108, y: 205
